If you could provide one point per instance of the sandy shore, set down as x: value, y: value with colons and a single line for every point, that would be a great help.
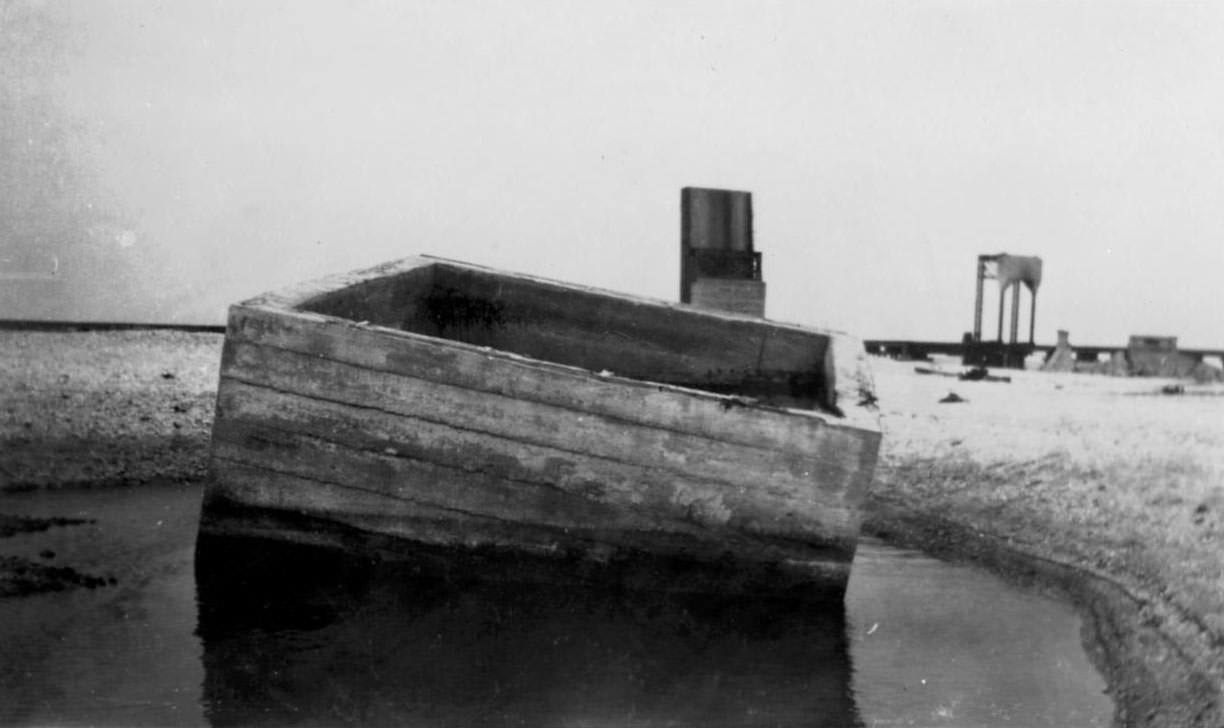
x: 98, y: 408
x: 1097, y: 487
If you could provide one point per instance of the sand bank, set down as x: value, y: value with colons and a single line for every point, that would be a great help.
x: 1099, y: 487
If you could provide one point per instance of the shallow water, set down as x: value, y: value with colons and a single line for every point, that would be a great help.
x: 939, y: 644
x: 917, y: 642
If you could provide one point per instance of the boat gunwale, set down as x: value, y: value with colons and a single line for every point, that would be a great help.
x: 851, y: 379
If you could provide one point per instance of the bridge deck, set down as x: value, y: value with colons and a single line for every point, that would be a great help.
x: 919, y: 349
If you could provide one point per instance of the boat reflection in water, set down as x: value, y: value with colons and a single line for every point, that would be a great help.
x: 301, y: 635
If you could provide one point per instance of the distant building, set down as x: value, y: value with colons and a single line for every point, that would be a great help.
x: 719, y: 269
x: 1157, y: 356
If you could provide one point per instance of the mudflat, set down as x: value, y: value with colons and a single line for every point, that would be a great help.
x: 1100, y: 488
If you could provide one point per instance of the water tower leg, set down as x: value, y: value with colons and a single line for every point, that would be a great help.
x: 977, y: 301
x: 1032, y: 316
x: 1015, y: 314
x: 1002, y: 302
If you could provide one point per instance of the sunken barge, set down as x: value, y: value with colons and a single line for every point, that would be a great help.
x: 449, y: 413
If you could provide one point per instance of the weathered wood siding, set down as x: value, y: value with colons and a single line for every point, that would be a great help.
x: 393, y: 301
x: 447, y: 442
x: 592, y: 330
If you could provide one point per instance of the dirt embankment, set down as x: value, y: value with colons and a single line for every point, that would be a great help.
x: 1099, y: 487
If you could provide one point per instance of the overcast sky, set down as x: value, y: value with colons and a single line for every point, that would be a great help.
x: 173, y: 157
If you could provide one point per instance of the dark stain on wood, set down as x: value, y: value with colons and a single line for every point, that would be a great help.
x: 757, y: 360
x: 451, y: 308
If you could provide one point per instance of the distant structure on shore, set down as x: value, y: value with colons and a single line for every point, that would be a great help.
x: 719, y: 269
x: 1010, y: 271
x: 1153, y: 356
x: 1144, y: 356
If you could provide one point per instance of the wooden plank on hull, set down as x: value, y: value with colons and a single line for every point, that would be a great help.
x: 253, y: 487
x: 720, y: 418
x: 247, y: 413
x: 824, y: 476
x: 405, y: 485
x: 632, y: 337
x: 845, y: 363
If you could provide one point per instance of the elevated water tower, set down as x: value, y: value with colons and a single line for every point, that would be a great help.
x: 1011, y: 271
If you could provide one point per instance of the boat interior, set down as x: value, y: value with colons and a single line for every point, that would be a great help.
x: 612, y: 334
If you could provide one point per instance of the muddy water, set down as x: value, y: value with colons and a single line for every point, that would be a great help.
x: 917, y: 642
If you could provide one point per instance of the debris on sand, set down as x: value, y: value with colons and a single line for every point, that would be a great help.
x: 981, y: 374
x: 976, y: 374
x: 952, y: 398
x: 935, y: 372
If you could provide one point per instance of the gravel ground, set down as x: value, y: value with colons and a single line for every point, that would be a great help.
x: 105, y: 408
x: 1099, y: 487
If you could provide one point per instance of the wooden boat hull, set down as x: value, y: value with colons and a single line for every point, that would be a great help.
x: 429, y: 404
